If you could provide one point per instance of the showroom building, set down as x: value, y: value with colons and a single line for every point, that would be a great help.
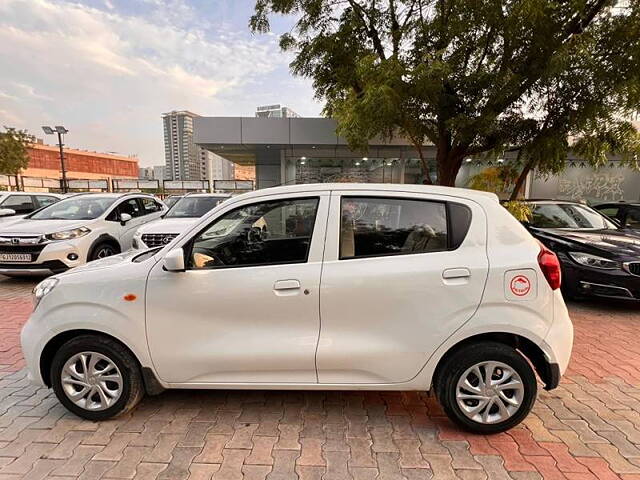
x: 307, y: 150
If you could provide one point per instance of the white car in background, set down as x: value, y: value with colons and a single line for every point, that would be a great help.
x: 184, y: 213
x: 74, y: 231
x: 316, y: 287
x: 15, y: 205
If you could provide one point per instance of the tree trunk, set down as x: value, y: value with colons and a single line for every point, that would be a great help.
x: 520, y: 181
x: 449, y: 162
x: 425, y: 164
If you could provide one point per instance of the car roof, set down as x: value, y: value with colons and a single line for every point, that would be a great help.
x: 114, y: 195
x: 207, y: 195
x: 620, y: 203
x: 554, y: 202
x: 380, y: 187
x: 58, y: 195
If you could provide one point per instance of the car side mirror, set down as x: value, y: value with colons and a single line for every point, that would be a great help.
x: 124, y: 218
x: 174, y: 260
x: 7, y: 212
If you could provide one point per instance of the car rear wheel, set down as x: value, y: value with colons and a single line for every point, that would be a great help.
x: 96, y: 377
x: 486, y: 387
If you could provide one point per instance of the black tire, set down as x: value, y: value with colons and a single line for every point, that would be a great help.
x: 98, y: 251
x: 132, y: 389
x: 459, y: 362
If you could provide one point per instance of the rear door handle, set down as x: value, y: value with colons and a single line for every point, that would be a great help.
x: 286, y: 285
x: 451, y: 273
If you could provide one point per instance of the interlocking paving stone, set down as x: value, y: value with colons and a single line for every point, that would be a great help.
x: 587, y: 428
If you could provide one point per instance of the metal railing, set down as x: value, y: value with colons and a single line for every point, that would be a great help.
x: 160, y: 187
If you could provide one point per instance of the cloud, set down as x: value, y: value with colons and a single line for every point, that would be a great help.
x: 108, y: 74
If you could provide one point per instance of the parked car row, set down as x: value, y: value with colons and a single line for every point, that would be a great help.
x: 67, y: 232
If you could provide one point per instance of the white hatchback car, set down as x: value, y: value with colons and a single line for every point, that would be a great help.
x: 74, y: 231
x: 328, y: 286
x: 182, y: 215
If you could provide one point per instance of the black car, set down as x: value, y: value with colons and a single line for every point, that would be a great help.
x: 597, y: 257
x: 626, y: 214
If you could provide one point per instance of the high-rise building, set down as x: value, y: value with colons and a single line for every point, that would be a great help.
x: 180, y: 153
x: 184, y: 160
x: 275, y: 111
x: 214, y: 167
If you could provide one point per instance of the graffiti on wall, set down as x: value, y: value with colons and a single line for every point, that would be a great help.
x: 603, y: 187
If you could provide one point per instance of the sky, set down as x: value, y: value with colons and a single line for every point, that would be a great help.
x: 108, y: 69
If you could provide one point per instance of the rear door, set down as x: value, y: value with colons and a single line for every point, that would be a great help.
x: 401, y: 273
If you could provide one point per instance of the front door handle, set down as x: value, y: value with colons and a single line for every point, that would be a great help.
x: 286, y: 285
x: 451, y: 273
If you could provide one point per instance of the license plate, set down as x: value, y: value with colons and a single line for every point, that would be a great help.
x: 15, y: 257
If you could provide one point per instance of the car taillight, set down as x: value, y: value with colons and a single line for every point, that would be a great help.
x: 550, y: 266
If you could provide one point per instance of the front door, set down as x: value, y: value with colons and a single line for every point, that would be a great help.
x: 402, y: 272
x: 246, y: 310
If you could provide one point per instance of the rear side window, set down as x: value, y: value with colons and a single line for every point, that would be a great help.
x: 373, y: 226
x: 150, y: 206
x: 45, y: 200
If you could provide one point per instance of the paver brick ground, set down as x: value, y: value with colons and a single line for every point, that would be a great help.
x: 588, y: 428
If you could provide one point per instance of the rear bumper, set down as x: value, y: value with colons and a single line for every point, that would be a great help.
x: 558, y: 343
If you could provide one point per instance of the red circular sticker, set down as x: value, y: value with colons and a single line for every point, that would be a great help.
x: 520, y: 285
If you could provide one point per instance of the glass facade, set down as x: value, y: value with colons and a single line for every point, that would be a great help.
x: 315, y: 169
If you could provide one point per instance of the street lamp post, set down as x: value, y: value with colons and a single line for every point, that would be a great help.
x: 60, y: 130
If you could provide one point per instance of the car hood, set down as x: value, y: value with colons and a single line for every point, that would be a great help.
x: 617, y: 243
x: 168, y: 225
x: 5, y: 221
x: 41, y: 227
x: 106, y: 262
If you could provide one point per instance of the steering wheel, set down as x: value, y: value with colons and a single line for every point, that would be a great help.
x: 254, y: 235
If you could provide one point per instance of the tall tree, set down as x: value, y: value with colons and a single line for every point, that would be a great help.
x: 470, y: 76
x: 13, y: 150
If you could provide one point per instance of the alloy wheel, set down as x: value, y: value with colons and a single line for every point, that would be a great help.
x: 489, y: 392
x: 92, y: 381
x: 105, y: 252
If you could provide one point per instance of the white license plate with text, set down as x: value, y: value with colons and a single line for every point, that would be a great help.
x: 15, y: 257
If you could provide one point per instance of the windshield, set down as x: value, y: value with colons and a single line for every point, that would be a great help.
x: 75, y: 208
x: 567, y: 215
x: 171, y: 201
x: 192, y: 207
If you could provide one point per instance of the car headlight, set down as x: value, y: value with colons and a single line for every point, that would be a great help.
x: 594, y: 261
x: 42, y: 289
x: 69, y: 234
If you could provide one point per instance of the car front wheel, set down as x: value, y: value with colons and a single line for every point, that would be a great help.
x: 96, y: 377
x: 487, y: 387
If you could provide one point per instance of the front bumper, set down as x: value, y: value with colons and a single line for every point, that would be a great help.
x: 52, y: 259
x: 584, y: 281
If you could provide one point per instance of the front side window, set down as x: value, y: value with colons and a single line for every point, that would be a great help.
x: 85, y: 207
x: 131, y: 206
x: 266, y: 233
x: 633, y: 218
x: 18, y: 203
x: 390, y: 226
